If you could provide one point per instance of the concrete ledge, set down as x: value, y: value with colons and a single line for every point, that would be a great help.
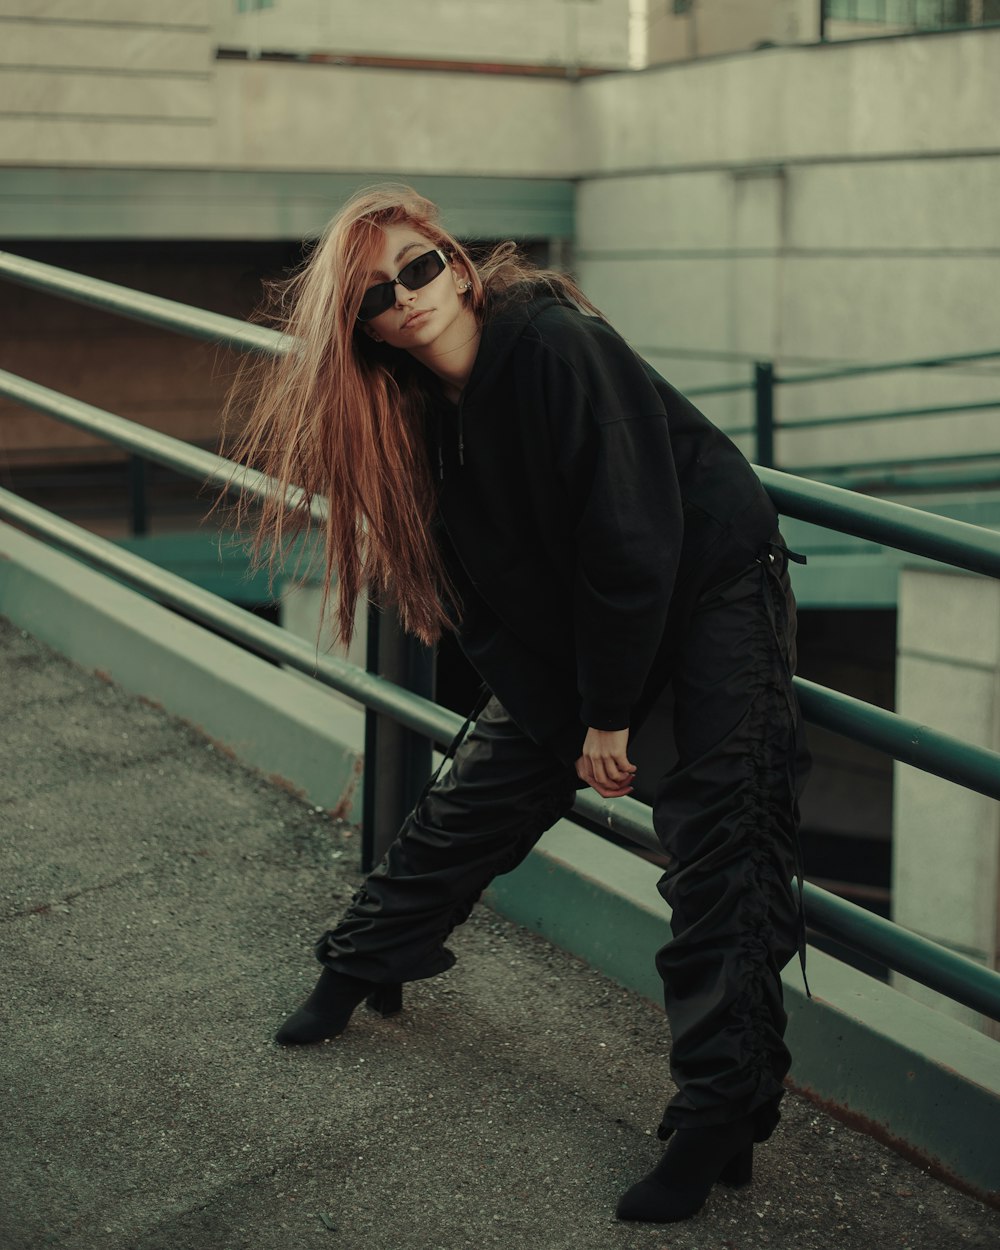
x: 271, y: 719
x: 924, y: 1083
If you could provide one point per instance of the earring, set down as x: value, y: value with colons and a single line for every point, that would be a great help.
x: 464, y: 286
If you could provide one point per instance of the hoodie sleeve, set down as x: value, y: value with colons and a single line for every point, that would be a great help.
x: 611, y: 444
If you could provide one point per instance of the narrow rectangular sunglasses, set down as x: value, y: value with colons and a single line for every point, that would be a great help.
x: 415, y: 274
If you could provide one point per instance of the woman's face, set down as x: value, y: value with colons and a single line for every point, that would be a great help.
x: 417, y: 320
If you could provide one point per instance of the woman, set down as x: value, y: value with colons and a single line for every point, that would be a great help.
x: 498, y: 462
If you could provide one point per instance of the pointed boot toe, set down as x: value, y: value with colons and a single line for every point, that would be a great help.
x: 304, y: 1027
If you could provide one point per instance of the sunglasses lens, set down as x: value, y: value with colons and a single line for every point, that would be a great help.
x: 419, y: 272
x: 375, y: 301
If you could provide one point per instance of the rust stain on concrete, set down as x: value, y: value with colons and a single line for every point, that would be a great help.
x: 881, y: 1133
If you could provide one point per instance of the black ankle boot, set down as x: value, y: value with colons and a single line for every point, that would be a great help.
x: 694, y: 1160
x: 326, y: 1011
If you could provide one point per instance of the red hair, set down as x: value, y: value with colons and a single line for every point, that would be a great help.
x: 341, y: 417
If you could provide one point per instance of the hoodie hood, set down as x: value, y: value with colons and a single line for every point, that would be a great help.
x: 501, y: 333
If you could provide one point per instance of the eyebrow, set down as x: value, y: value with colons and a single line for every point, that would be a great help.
x: 378, y: 273
x: 403, y: 250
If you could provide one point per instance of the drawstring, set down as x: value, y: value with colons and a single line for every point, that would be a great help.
x: 440, y: 442
x: 482, y: 698
x: 767, y: 556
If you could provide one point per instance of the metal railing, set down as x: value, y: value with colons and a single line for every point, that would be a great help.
x: 955, y: 542
x: 878, y: 473
x: 874, y: 473
x: 908, y: 16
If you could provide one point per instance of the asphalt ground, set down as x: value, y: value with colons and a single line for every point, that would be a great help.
x: 158, y: 906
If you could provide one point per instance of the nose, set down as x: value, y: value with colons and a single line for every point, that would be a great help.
x: 402, y: 293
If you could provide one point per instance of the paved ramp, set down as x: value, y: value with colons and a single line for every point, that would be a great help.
x: 158, y: 906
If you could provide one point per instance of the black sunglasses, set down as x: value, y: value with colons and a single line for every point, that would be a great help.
x: 415, y: 274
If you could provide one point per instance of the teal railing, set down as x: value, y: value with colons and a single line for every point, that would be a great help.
x: 965, y: 546
x: 905, y: 471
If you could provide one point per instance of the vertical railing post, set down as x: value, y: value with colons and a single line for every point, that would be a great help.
x: 137, y: 501
x: 397, y: 760
x: 763, y: 386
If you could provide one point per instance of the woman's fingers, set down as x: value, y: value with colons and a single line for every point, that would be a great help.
x: 613, y: 770
x: 607, y: 787
x: 615, y: 792
x: 604, y: 764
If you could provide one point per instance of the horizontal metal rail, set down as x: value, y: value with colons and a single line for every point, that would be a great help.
x: 149, y: 444
x: 925, y: 748
x: 908, y: 741
x: 824, y: 375
x: 918, y: 477
x: 887, y: 414
x: 885, y: 366
x: 974, y: 460
x: 934, y: 966
x: 139, y: 306
x: 882, y: 521
x: 723, y: 388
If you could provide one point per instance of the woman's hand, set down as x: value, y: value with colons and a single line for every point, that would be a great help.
x: 604, y: 764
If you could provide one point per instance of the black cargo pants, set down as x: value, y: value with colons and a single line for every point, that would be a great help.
x: 726, y: 814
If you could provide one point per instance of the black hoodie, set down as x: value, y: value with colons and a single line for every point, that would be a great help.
x: 582, y: 503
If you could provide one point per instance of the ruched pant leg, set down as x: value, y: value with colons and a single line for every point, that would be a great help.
x: 481, y: 819
x: 727, y: 815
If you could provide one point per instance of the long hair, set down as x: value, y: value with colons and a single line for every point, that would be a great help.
x: 341, y: 417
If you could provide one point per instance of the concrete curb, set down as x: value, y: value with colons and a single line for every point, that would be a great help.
x: 292, y: 730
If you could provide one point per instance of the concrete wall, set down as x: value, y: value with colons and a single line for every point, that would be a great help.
x: 809, y: 205
x: 81, y: 79
x: 711, y: 27
x: 119, y: 83
x: 946, y: 840
x: 539, y: 32
x: 277, y: 116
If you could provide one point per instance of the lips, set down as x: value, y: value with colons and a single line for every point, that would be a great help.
x: 415, y: 317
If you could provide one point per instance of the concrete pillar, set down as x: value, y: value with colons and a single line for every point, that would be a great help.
x: 946, y: 839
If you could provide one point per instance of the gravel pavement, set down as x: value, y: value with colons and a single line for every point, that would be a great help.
x: 159, y: 903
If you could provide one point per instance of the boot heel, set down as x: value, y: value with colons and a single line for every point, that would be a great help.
x: 739, y: 1170
x: 386, y: 1000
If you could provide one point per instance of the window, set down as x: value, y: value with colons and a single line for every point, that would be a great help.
x: 914, y: 14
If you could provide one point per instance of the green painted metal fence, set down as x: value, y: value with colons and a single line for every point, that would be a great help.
x: 965, y: 546
x: 904, y: 471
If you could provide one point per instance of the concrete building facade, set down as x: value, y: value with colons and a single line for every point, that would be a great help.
x: 567, y: 34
